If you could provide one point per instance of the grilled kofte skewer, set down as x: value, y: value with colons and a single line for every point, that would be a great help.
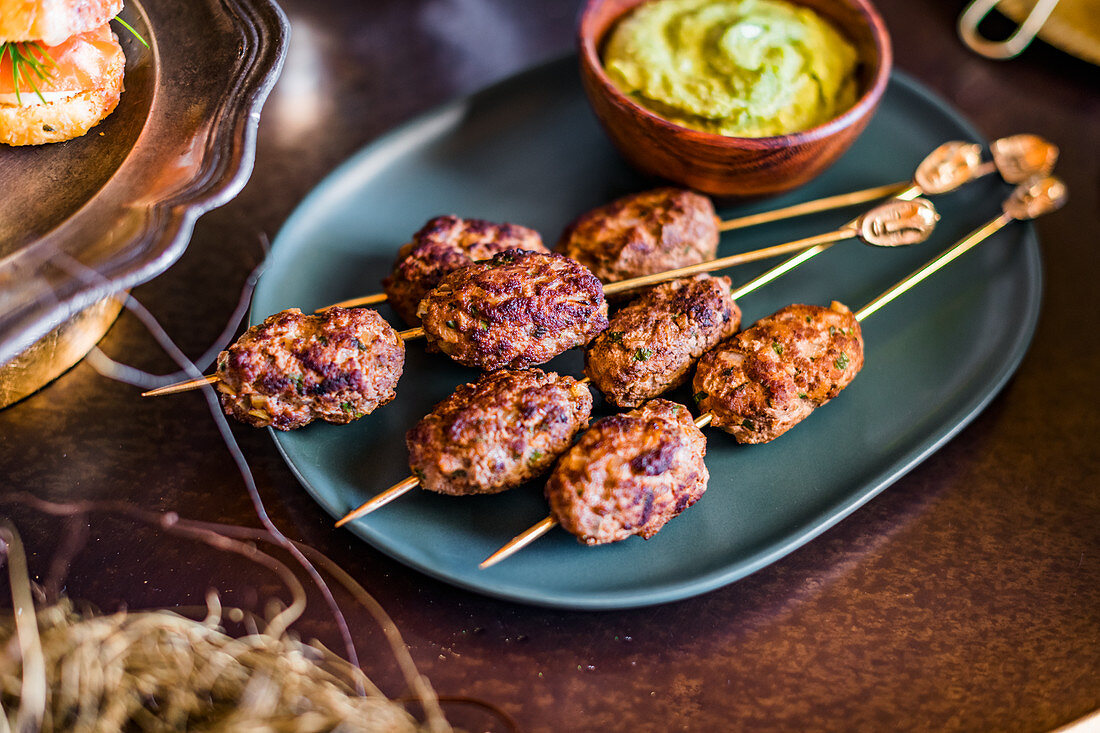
x: 295, y: 368
x: 863, y: 227
x: 629, y: 474
x: 619, y: 359
x: 491, y: 435
x: 770, y: 377
x: 657, y: 230
x: 523, y: 308
x: 1028, y: 201
x: 651, y: 344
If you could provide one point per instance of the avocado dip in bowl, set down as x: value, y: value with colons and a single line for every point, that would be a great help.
x: 734, y: 98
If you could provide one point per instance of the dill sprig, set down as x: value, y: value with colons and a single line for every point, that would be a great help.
x: 130, y: 28
x: 29, y: 59
x: 26, y: 65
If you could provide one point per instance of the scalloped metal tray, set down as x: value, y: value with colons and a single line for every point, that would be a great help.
x: 88, y: 218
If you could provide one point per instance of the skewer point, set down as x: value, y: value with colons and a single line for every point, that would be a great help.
x: 520, y: 541
x: 187, y: 386
x: 399, y: 489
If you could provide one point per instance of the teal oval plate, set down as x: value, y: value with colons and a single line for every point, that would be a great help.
x: 529, y: 151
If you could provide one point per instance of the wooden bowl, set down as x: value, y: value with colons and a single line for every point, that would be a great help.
x: 734, y: 166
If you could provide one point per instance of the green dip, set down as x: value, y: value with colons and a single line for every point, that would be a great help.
x: 746, y: 68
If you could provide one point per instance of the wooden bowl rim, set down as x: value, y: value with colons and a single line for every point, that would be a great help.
x: 864, y: 105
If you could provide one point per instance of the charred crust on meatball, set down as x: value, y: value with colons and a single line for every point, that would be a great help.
x: 443, y: 245
x: 770, y: 377
x: 517, y: 310
x: 643, y: 233
x: 629, y: 474
x: 497, y: 433
x: 652, y: 343
x: 293, y: 368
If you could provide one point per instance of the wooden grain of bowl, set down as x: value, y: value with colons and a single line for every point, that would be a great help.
x: 734, y: 167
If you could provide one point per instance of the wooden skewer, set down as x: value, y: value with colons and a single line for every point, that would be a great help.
x: 818, y: 242
x: 187, y: 386
x: 532, y: 533
x: 356, y: 302
x: 850, y: 230
x: 1028, y: 201
x: 399, y: 489
x: 724, y: 262
x: 900, y: 222
x: 813, y: 207
x: 660, y: 277
x: 518, y: 542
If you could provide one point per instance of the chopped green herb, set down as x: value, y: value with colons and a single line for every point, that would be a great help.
x: 534, y: 457
x: 361, y: 345
x: 748, y: 424
x: 841, y: 361
x: 451, y: 324
x: 615, y: 337
x: 299, y: 386
x: 642, y: 354
x: 700, y: 396
x: 484, y: 325
x: 802, y: 395
x: 832, y: 330
x: 777, y: 347
x: 808, y: 319
x: 346, y: 406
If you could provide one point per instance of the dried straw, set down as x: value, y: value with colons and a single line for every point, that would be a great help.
x: 157, y: 670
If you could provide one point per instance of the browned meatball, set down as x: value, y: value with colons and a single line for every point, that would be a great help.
x: 768, y: 378
x: 644, y: 233
x: 652, y: 343
x: 292, y: 369
x: 494, y: 434
x: 629, y: 474
x: 517, y: 310
x: 443, y: 245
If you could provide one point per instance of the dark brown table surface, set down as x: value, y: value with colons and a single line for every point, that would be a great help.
x: 964, y: 597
